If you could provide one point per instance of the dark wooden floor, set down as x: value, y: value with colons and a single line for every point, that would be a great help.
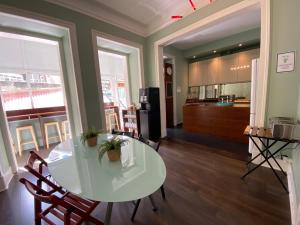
x: 202, y: 187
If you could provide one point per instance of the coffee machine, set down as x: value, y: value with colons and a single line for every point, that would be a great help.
x: 150, y: 113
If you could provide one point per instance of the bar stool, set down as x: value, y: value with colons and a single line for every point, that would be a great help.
x: 112, y: 121
x: 19, y: 131
x: 46, y: 126
x: 65, y: 126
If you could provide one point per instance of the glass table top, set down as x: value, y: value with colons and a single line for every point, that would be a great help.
x: 77, y: 168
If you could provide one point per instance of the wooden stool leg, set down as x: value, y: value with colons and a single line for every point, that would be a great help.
x: 117, y: 120
x: 59, y: 133
x: 64, y: 131
x: 109, y: 122
x: 19, y: 142
x: 46, y: 134
x: 34, y: 139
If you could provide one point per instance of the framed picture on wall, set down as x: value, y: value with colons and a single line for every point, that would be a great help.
x: 286, y: 62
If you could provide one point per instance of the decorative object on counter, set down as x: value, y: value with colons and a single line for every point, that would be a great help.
x: 225, y: 103
x: 90, y: 137
x: 112, y: 147
x: 286, y: 62
x: 285, y: 128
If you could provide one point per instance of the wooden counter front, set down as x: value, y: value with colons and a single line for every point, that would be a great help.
x: 226, y: 122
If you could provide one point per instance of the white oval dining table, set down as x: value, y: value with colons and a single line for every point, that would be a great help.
x: 78, y: 169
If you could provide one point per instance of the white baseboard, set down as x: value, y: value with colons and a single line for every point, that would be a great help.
x: 5, y: 180
x: 298, y: 216
x: 295, y: 209
x: 286, y: 165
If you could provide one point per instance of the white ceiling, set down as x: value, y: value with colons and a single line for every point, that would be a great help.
x: 240, y: 22
x: 143, y: 17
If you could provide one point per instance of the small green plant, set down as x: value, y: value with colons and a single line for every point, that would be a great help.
x: 89, y: 134
x: 111, y: 145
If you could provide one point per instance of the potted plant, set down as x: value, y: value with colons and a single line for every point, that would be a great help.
x: 90, y: 137
x: 112, y: 147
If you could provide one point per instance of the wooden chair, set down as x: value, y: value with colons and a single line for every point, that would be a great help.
x: 38, y: 167
x: 56, y: 125
x: 19, y: 131
x: 69, y: 209
x: 126, y: 133
x: 155, y: 146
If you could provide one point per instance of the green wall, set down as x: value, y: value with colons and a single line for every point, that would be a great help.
x: 84, y: 25
x: 181, y: 74
x: 284, y: 87
x: 250, y: 36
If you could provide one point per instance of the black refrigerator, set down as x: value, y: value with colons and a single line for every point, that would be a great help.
x: 150, y: 127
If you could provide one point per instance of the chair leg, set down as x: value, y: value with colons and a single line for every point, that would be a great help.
x: 37, y: 211
x: 19, y: 143
x: 135, y: 209
x: 34, y: 139
x: 154, y: 208
x: 162, y: 190
x: 64, y: 129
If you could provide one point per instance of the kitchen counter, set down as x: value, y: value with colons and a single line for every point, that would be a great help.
x: 226, y: 122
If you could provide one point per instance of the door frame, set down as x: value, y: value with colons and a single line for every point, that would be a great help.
x: 262, y: 84
x: 69, y: 69
x: 173, y: 59
x: 138, y: 46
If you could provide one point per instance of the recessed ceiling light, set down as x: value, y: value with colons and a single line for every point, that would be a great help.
x: 240, y: 45
x: 215, y: 51
x: 194, y: 56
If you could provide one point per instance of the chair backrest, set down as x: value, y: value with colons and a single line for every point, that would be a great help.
x: 40, y: 173
x: 126, y: 133
x: 38, y: 193
x: 154, y: 145
x: 33, y: 158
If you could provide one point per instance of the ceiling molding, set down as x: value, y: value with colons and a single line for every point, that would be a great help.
x: 164, y: 22
x: 101, y: 12
x: 104, y: 14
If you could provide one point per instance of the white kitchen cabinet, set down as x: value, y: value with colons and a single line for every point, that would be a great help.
x: 228, y: 74
x: 203, y: 73
x: 244, y: 64
x: 213, y: 71
x: 194, y: 78
x: 198, y: 73
x: 232, y: 68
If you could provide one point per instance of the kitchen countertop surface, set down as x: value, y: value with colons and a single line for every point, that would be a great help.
x: 213, y: 104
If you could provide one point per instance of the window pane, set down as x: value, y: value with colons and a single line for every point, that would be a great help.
x: 14, y: 91
x: 21, y: 91
x: 46, y: 90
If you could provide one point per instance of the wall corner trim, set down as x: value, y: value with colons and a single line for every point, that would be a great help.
x: 5, y: 180
x: 295, y: 209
